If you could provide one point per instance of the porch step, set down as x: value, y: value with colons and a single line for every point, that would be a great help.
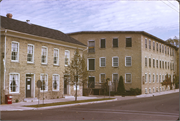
x: 30, y: 99
x: 68, y: 96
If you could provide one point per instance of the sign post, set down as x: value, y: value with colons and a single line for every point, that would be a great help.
x: 39, y: 84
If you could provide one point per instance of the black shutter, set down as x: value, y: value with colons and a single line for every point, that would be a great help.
x: 128, y: 42
x: 115, y: 42
x: 103, y: 43
x: 91, y: 64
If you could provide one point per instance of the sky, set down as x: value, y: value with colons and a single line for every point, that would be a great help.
x: 157, y: 17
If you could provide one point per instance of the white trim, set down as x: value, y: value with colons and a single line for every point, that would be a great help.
x: 125, y: 61
x: 58, y: 87
x: 88, y: 64
x: 17, y: 84
x: 17, y: 52
x: 113, y: 62
x: 57, y: 57
x: 46, y: 54
x: 100, y: 77
x: 33, y: 54
x: 100, y: 62
x: 125, y: 78
x: 67, y: 57
x: 4, y: 60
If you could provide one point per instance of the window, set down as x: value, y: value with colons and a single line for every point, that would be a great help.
x: 128, y: 42
x: 145, y: 42
x: 162, y: 48
x: 163, y: 64
x: 157, y: 78
x: 44, y: 55
x: 165, y: 49
x: 149, y: 90
x: 156, y: 46
x: 128, y: 61
x: 128, y: 78
x: 91, y: 46
x: 168, y: 65
x: 115, y: 78
x: 56, y: 56
x: 44, y: 80
x: 55, y: 82
x: 145, y: 78
x: 67, y: 57
x: 160, y: 78
x: 149, y: 44
x: 15, y: 51
x: 156, y: 63
x: 153, y: 89
x: 30, y: 53
x: 168, y: 50
x: 149, y: 62
x: 160, y: 89
x: 145, y: 62
x: 145, y: 90
x: 91, y: 65
x: 156, y: 89
x: 173, y: 52
x: 149, y: 78
x: 103, y: 43
x: 159, y: 47
x: 160, y: 63
x: 102, y: 62
x: 153, y: 45
x: 115, y: 61
x: 115, y: 42
x: 153, y: 63
x: 153, y: 78
x: 172, y: 66
x: 102, y: 78
x: 14, y: 80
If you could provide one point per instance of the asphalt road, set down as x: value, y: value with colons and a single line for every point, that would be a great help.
x: 165, y: 107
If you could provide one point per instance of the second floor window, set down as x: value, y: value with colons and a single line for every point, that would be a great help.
x: 115, y: 42
x: 56, y: 56
x: 128, y: 61
x: 145, y: 62
x: 145, y: 43
x: 145, y: 78
x: 159, y: 47
x: 44, y: 55
x: 149, y: 62
x: 102, y: 62
x: 67, y: 57
x: 115, y: 61
x: 128, y: 42
x: 156, y: 63
x: 14, y: 51
x: 91, y: 47
x: 163, y: 64
x: 153, y: 63
x: 30, y: 53
x: 162, y: 48
x: 159, y: 64
x: 149, y: 44
x: 91, y: 65
x: 153, y: 45
x: 103, y: 43
x: 156, y: 46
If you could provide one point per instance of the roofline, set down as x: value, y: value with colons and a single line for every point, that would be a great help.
x: 136, y: 32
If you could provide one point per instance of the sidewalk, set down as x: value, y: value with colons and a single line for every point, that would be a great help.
x: 19, y: 106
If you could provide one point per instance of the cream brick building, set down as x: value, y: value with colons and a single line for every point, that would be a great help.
x: 141, y: 58
x: 30, y: 53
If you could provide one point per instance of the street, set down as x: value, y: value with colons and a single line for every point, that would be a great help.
x: 165, y: 107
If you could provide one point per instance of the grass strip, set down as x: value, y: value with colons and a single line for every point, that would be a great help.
x: 69, y: 102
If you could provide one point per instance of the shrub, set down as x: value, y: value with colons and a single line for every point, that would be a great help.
x: 120, y: 88
x: 17, y: 100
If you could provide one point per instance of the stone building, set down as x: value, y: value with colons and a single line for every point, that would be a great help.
x: 141, y: 58
x: 30, y: 53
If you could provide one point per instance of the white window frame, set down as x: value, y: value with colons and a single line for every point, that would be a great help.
x: 100, y: 62
x: 149, y: 43
x: 145, y: 90
x: 58, y: 82
x: 89, y: 45
x: 160, y: 48
x: 125, y: 61
x: 88, y: 64
x: 17, y: 52
x: 145, y: 77
x: 149, y: 77
x: 157, y: 78
x: 154, y: 90
x: 32, y: 53
x: 57, y: 56
x: 46, y: 82
x: 17, y: 83
x: 160, y: 78
x: 157, y: 46
x: 67, y: 57
x: 117, y: 77
x: 150, y: 91
x: 154, y: 45
x: 157, y: 89
x: 153, y: 78
x: 100, y: 77
x: 113, y: 61
x: 125, y: 78
x: 146, y: 43
x: 46, y: 54
x: 157, y: 62
x: 154, y: 63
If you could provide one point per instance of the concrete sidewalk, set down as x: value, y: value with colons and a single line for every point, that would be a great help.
x: 19, y: 106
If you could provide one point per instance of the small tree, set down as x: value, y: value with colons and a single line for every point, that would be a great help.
x: 167, y: 81
x: 77, y: 71
x: 120, y: 88
x: 176, y: 81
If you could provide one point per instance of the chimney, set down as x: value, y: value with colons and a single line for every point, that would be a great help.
x: 28, y: 21
x: 9, y: 15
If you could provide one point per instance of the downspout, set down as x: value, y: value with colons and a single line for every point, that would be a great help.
x: 4, y: 60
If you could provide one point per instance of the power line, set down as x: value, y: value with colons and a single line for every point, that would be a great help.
x: 170, y: 6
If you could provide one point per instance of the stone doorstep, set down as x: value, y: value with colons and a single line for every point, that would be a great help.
x: 30, y: 99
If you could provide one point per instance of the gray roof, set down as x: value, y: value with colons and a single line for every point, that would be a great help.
x: 24, y: 27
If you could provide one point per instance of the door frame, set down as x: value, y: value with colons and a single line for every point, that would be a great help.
x: 32, y: 84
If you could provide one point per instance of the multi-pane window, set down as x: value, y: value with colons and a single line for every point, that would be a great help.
x: 128, y: 61
x: 102, y: 62
x: 159, y: 47
x: 149, y: 44
x: 160, y: 78
x: 163, y: 64
x: 165, y: 49
x: 145, y: 90
x: 128, y: 42
x: 91, y: 64
x: 103, y: 43
x: 168, y: 50
x: 162, y: 48
x: 115, y: 77
x: 172, y: 66
x: 44, y: 55
x: 153, y: 89
x: 156, y: 89
x: 14, y: 80
x: 128, y: 78
x: 102, y: 78
x: 153, y: 45
x: 149, y: 90
x: 157, y: 78
x: 44, y: 80
x: 30, y: 53
x: 156, y: 46
x: 149, y: 62
x: 160, y: 64
x: 115, y: 42
x: 56, y: 56
x: 67, y: 57
x: 55, y: 82
x: 15, y: 51
x: 91, y: 46
x: 115, y: 61
x: 153, y: 78
x: 168, y: 65
x: 149, y: 78
x: 145, y: 42
x: 145, y: 62
x: 153, y: 63
x: 156, y: 63
x: 145, y: 78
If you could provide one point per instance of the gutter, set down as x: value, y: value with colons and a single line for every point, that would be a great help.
x: 4, y: 60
